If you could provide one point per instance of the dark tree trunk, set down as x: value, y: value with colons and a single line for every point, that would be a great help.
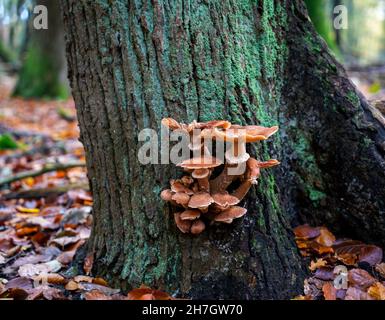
x: 43, y: 73
x: 257, y: 62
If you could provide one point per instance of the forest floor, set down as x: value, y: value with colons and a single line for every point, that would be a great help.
x: 45, y: 214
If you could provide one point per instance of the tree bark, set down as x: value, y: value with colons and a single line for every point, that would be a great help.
x: 131, y: 63
x: 43, y: 73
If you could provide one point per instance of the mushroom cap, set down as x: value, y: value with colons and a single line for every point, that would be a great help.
x: 200, y: 200
x: 183, y: 225
x: 200, y: 173
x: 166, y: 195
x: 204, y: 162
x: 246, y: 133
x: 178, y: 186
x: 230, y: 214
x: 268, y: 164
x: 171, y: 123
x: 225, y: 199
x: 181, y: 198
x: 253, y: 132
x: 197, y: 227
x: 190, y: 214
x: 213, y: 124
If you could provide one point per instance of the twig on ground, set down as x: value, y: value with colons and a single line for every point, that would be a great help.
x: 35, y: 173
x: 45, y: 192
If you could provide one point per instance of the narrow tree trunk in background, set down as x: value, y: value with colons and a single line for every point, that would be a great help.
x: 257, y: 62
x: 322, y: 21
x: 43, y: 73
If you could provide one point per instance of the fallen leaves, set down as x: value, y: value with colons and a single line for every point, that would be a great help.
x: 337, y: 266
x: 146, y: 293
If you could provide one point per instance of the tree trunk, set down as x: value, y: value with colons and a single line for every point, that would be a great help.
x: 322, y: 21
x: 132, y: 63
x: 43, y: 73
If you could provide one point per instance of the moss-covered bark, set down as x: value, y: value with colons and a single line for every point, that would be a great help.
x: 43, y: 71
x: 257, y: 62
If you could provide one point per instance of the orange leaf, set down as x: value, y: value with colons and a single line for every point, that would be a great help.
x: 377, y: 291
x: 314, y: 265
x: 326, y: 238
x: 306, y: 232
x: 329, y: 291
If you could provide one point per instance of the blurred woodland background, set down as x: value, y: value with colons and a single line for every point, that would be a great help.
x: 33, y: 63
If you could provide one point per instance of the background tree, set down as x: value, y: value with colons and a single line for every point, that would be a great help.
x: 322, y: 20
x: 131, y: 63
x: 43, y: 73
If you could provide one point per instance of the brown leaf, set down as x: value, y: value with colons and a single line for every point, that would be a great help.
x: 360, y: 278
x: 326, y: 238
x: 363, y: 252
x: 356, y: 294
x: 100, y: 281
x: 325, y: 274
x: 306, y: 232
x: 52, y: 278
x: 72, y: 286
x: 377, y: 291
x: 67, y: 256
x: 92, y: 286
x: 27, y: 231
x: 96, y: 295
x: 19, y: 283
x: 146, y: 293
x: 329, y: 291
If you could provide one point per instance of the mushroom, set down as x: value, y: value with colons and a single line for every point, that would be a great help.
x: 230, y: 214
x: 200, y: 167
x: 196, y: 139
x: 171, y: 123
x: 237, y: 155
x: 198, y: 227
x: 239, y: 136
x: 166, y: 195
x: 190, y: 214
x: 223, y: 201
x: 183, y: 225
x: 181, y: 198
x: 201, y: 201
x: 178, y: 186
x: 202, y: 176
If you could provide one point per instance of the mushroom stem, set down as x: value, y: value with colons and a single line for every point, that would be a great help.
x: 237, y: 153
x: 223, y: 181
x: 204, y: 184
x: 242, y: 190
x: 202, y: 176
x: 251, y: 176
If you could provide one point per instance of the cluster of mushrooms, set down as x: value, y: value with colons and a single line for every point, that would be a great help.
x: 199, y: 196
